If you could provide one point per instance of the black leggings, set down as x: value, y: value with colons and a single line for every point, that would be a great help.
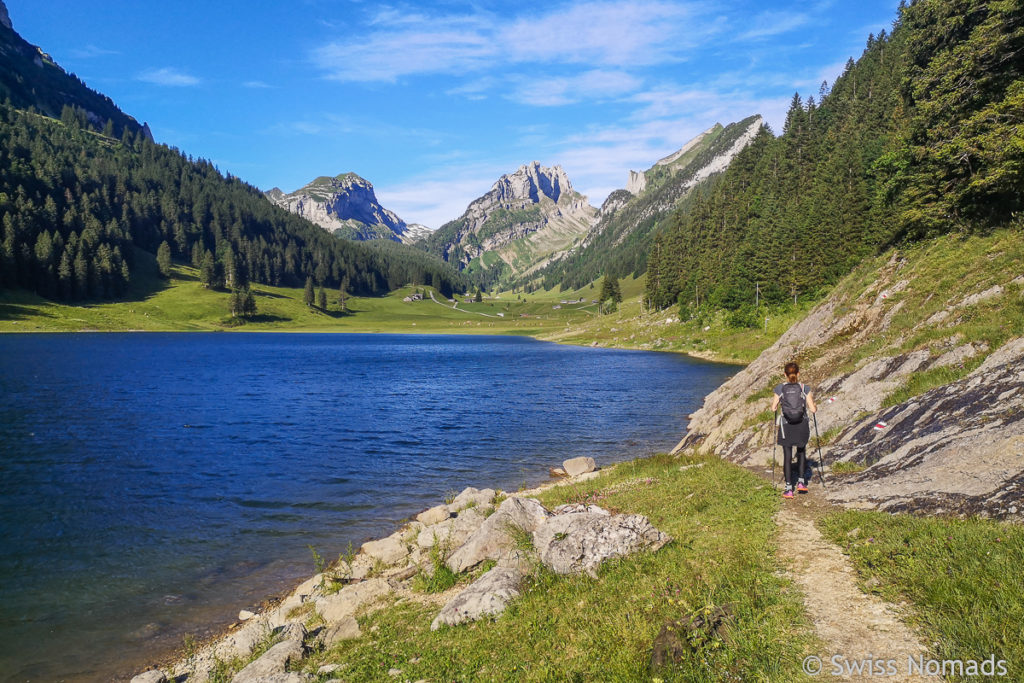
x: 787, y: 463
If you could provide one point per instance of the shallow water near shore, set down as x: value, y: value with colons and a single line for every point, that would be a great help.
x: 154, y: 484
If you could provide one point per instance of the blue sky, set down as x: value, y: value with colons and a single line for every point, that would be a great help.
x: 433, y: 102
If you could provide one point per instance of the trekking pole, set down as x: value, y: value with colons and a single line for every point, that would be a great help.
x: 821, y: 459
x: 775, y: 439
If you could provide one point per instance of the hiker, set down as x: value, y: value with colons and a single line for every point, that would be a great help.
x: 794, y: 427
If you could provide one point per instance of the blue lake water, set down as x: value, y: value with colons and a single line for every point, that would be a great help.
x: 152, y: 485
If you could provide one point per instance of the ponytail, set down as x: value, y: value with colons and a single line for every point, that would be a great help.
x: 791, y: 370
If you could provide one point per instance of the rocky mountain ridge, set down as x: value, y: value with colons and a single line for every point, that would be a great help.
x: 347, y: 206
x: 526, y: 217
x: 631, y: 216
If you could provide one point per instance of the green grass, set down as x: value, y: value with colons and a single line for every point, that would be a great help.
x: 963, y: 578
x: 183, y: 304
x: 582, y: 629
x: 845, y: 467
x: 920, y: 382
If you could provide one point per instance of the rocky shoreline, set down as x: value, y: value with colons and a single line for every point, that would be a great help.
x: 495, y: 538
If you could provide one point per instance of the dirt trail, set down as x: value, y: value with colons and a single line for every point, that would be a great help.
x: 852, y: 624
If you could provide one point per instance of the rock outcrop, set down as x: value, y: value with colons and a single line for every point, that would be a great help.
x: 958, y: 448
x: 525, y: 219
x: 5, y: 18
x: 347, y: 205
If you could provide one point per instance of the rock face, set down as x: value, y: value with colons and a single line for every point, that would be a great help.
x: 5, y: 19
x: 487, y: 596
x: 577, y: 542
x: 524, y: 220
x: 957, y: 449
x: 347, y: 205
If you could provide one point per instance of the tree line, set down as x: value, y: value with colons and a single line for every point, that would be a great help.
x: 920, y: 136
x: 76, y: 206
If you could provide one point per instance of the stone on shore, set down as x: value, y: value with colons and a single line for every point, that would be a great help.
x: 245, y: 615
x: 452, y: 532
x: 434, y: 515
x: 154, y: 676
x: 388, y: 550
x: 472, y: 496
x: 336, y: 608
x: 346, y: 629
x: 578, y: 542
x: 577, y: 466
x: 487, y: 596
x: 492, y: 540
x: 273, y: 661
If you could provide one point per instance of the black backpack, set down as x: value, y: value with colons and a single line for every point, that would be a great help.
x: 794, y: 403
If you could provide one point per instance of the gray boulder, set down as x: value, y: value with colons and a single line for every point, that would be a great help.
x: 472, y: 496
x: 436, y: 514
x: 577, y: 466
x: 154, y: 676
x: 452, y: 532
x: 273, y: 661
x: 336, y: 608
x: 487, y: 596
x: 492, y: 540
x: 578, y: 542
x: 388, y: 550
x: 346, y: 629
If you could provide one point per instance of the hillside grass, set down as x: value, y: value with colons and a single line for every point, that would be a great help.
x: 581, y: 629
x: 962, y: 577
x: 630, y: 326
x: 183, y: 304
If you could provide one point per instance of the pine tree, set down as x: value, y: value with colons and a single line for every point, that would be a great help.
x: 343, y: 294
x: 307, y: 295
x: 163, y: 259
x: 208, y: 271
x: 321, y: 299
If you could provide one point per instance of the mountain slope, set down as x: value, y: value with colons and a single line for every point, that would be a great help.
x: 136, y: 195
x: 30, y: 78
x: 347, y: 206
x: 920, y: 136
x: 618, y: 243
x: 527, y: 217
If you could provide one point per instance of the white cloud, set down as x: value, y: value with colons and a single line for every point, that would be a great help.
x: 168, y: 76
x: 441, y: 196
x: 596, y: 84
x: 622, y: 35
x: 90, y: 51
x: 257, y: 85
x: 773, y: 23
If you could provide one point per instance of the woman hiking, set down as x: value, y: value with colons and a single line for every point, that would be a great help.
x: 794, y: 427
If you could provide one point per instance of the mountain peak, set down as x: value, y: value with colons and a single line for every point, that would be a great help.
x: 532, y: 181
x: 344, y: 204
x: 5, y: 18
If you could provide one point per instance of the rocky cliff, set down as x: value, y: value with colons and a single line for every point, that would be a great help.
x: 346, y: 205
x: 917, y: 362
x: 525, y: 218
x: 634, y: 215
